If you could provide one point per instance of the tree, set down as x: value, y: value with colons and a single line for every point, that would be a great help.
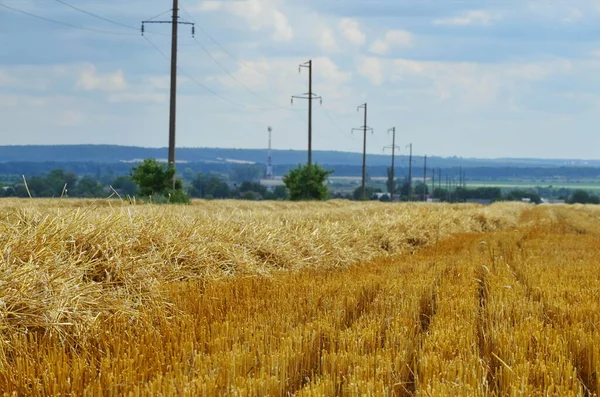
x: 280, y: 193
x: 404, y: 190
x: 245, y: 173
x: 421, y: 188
x: 155, y: 179
x: 125, y: 185
x: 253, y: 187
x: 152, y: 177
x: 88, y: 188
x: 583, y: 197
x: 213, y: 186
x: 198, y: 186
x: 307, y: 183
x: 385, y: 198
x: 249, y: 195
x: 369, y: 192
x: 518, y: 195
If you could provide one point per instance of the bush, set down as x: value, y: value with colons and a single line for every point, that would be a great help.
x: 307, y: 183
x: 178, y: 197
x: 249, y: 195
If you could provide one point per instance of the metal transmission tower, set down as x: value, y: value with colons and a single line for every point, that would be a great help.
x: 393, y: 147
x: 269, y: 174
x: 173, y: 107
x: 364, y: 128
x: 310, y: 96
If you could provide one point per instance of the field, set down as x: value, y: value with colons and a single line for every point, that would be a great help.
x: 311, y: 299
x: 588, y: 185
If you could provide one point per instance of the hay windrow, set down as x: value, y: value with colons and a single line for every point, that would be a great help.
x: 66, y: 264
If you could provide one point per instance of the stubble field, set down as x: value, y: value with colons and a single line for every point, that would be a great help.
x: 282, y: 299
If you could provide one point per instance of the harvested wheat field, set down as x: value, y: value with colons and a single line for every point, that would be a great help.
x: 282, y: 299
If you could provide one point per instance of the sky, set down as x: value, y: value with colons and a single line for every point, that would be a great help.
x: 467, y: 78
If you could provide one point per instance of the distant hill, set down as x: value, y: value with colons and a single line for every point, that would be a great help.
x: 110, y: 154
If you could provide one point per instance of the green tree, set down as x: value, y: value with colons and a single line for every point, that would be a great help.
x: 213, y: 186
x: 583, y: 197
x: 152, y: 177
x: 245, y: 173
x: 88, y: 188
x: 307, y: 183
x: 421, y: 188
x: 199, y: 186
x: 280, y: 193
x: 155, y: 179
x: 249, y: 195
x: 255, y: 187
x: 518, y: 195
x: 369, y: 192
x: 125, y: 185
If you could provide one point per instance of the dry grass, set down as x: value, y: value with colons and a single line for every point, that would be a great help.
x: 230, y: 298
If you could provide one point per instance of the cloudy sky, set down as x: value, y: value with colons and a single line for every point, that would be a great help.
x: 495, y: 78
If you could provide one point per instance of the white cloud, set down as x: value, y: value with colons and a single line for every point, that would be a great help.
x: 372, y: 69
x: 393, y: 38
x: 330, y: 72
x: 327, y: 41
x: 573, y: 15
x: 69, y: 118
x: 283, y: 30
x: 476, y: 17
x: 210, y: 5
x: 565, y: 12
x: 259, y: 14
x: 90, y: 80
x: 350, y: 29
x: 138, y: 97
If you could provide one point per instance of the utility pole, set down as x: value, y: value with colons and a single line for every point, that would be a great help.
x: 440, y: 179
x: 175, y: 22
x: 425, y: 179
x: 410, y: 174
x: 393, y: 147
x: 310, y: 96
x: 364, y: 128
x: 269, y: 174
x: 433, y: 182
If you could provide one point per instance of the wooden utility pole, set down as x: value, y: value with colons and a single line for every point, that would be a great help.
x: 433, y: 183
x: 393, y: 147
x: 364, y: 128
x: 175, y: 22
x: 410, y: 174
x: 310, y: 96
x: 425, y: 179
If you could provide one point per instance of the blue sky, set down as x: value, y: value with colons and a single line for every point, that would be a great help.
x: 458, y: 77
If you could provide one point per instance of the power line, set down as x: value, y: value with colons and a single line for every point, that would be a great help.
x: 96, y: 15
x: 159, y: 15
x: 211, y: 38
x: 237, y: 80
x: 196, y: 81
x: 337, y: 127
x: 32, y: 15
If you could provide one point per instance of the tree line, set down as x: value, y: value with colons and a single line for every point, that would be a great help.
x: 157, y: 181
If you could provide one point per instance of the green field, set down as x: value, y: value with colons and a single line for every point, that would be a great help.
x: 587, y: 185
